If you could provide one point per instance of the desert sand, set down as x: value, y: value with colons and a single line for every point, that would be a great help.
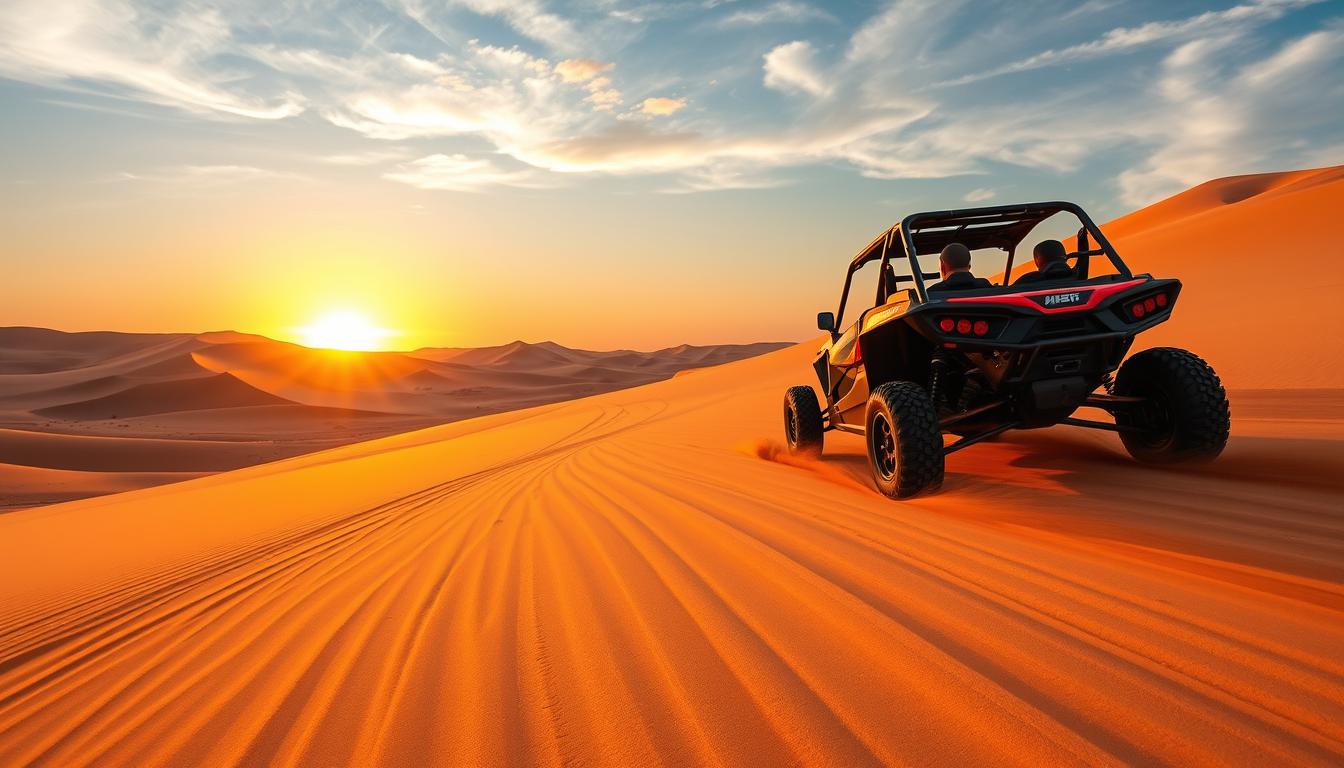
x: 643, y: 577
x: 1261, y: 293
x: 84, y: 414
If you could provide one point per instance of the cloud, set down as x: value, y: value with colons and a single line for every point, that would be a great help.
x: 1239, y: 115
x: 369, y: 157
x: 581, y: 70
x: 1122, y: 39
x: 459, y: 173
x: 529, y: 18
x: 503, y: 94
x: 784, y: 12
x: 124, y: 45
x: 588, y: 72
x: 661, y: 105
x: 601, y: 96
x: 203, y: 177
x: 792, y: 67
x: 979, y: 195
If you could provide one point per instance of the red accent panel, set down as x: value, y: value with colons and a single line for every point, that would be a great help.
x: 1021, y: 299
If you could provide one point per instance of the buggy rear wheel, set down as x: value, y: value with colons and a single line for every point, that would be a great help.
x: 803, y: 427
x: 1184, y: 416
x: 905, y: 446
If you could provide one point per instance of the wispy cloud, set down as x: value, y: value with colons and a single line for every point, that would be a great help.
x: 124, y: 44
x: 1122, y: 39
x: 459, y: 173
x: 1239, y: 115
x: 367, y: 157
x: 979, y: 195
x: 783, y: 12
x: 530, y: 18
x: 793, y: 67
x: 205, y: 176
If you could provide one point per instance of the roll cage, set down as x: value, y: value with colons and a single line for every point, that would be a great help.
x: 1002, y: 226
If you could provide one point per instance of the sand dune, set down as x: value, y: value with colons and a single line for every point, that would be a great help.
x: 38, y: 486
x: 222, y: 400
x: 1261, y: 280
x: 129, y: 454
x: 219, y: 391
x: 143, y: 360
x: 40, y: 350
x: 629, y: 579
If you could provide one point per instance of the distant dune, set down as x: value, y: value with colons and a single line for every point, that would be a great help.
x: 160, y: 407
x: 192, y: 394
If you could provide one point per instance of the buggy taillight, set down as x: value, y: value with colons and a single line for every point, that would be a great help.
x: 1145, y: 306
x: 965, y: 326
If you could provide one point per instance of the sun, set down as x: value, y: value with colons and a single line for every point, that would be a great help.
x: 343, y: 329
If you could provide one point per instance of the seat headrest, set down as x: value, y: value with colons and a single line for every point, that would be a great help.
x: 889, y: 279
x: 1061, y: 268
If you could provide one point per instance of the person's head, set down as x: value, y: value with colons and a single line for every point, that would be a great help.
x: 1048, y: 252
x: 954, y: 258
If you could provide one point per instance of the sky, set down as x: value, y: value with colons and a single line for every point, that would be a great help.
x: 602, y: 173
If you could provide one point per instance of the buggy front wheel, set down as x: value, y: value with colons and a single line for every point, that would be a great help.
x: 803, y: 427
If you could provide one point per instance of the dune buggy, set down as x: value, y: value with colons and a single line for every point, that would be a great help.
x: 922, y: 363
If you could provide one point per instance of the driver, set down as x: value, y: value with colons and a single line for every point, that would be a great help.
x: 954, y: 264
x: 1051, y: 263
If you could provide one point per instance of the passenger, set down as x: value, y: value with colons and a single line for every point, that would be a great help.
x: 954, y: 264
x: 1051, y: 263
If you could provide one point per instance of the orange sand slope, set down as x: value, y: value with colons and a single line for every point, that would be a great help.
x: 640, y: 578
x: 1263, y: 296
x: 83, y: 414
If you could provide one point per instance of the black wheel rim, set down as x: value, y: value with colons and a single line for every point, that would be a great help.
x: 883, y: 447
x: 791, y: 426
x: 1154, y: 418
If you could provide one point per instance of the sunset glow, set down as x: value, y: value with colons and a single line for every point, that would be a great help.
x: 343, y: 329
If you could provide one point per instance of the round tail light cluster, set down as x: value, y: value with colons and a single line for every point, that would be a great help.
x: 1147, y: 306
x: 964, y: 326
